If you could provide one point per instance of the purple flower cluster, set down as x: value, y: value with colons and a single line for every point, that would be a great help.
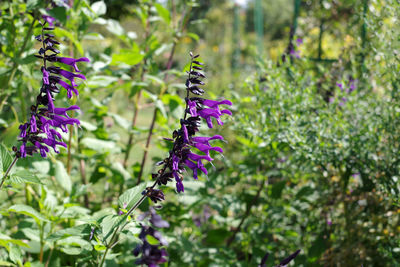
x: 151, y: 255
x: 182, y: 155
x: 40, y: 132
x: 352, y: 85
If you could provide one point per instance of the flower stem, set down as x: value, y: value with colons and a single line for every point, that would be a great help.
x: 8, y: 171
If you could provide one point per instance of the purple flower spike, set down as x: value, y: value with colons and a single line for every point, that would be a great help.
x: 181, y: 157
x: 42, y: 129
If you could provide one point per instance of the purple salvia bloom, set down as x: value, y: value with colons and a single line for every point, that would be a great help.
x: 206, y: 148
x: 205, y: 140
x: 45, y: 76
x: 185, y: 133
x: 340, y: 85
x: 45, y: 117
x: 181, y: 156
x: 50, y: 101
x: 72, y: 61
x: 192, y: 108
x: 33, y: 124
x: 23, y: 128
x: 215, y: 103
x: 71, y: 76
x: 23, y: 150
x: 63, y: 111
x: 68, y: 87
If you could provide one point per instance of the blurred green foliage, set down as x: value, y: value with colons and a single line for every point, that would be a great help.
x: 307, y: 164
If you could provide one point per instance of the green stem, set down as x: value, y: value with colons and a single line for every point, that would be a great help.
x: 8, y: 171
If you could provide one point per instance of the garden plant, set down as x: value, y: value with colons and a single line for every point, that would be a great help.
x: 121, y: 146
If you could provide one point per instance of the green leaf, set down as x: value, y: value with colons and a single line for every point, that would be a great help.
x: 15, y: 254
x: 6, y: 263
x: 74, y: 245
x: 80, y: 230
x: 5, y: 240
x: 32, y: 4
x: 129, y: 57
x: 100, y: 247
x: 119, y: 169
x: 100, y: 145
x: 193, y: 36
x: 24, y: 176
x: 42, y: 166
x: 62, y: 176
x: 114, y: 27
x: 29, y: 211
x: 161, y: 108
x: 110, y: 223
x: 121, y: 121
x: 131, y: 196
x: 101, y: 81
x: 217, y: 237
x: 60, y: 13
x: 99, y: 8
x: 163, y: 12
x: 5, y: 158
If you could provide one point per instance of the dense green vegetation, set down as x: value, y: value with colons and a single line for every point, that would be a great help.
x: 311, y: 152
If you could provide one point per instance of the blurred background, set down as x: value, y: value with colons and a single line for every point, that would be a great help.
x: 311, y: 158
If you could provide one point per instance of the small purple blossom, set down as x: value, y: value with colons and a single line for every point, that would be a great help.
x: 41, y: 131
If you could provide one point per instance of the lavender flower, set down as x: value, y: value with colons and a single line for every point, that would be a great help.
x: 183, y: 154
x: 40, y: 132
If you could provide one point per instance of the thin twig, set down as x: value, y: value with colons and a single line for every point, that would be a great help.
x: 8, y: 171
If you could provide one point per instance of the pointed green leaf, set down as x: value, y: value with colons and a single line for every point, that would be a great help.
x: 131, y: 196
x: 29, y: 211
x: 62, y: 176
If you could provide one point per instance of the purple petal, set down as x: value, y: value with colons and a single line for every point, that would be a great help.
x: 214, y: 103
x: 185, y: 133
x: 69, y: 88
x: 22, y: 150
x: 63, y: 111
x: 45, y: 76
x: 72, y: 61
x: 50, y: 104
x: 71, y: 76
x: 33, y: 124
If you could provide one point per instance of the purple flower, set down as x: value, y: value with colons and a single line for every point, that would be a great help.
x: 40, y: 132
x: 197, y: 108
x: 49, y: 19
x: 72, y: 61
